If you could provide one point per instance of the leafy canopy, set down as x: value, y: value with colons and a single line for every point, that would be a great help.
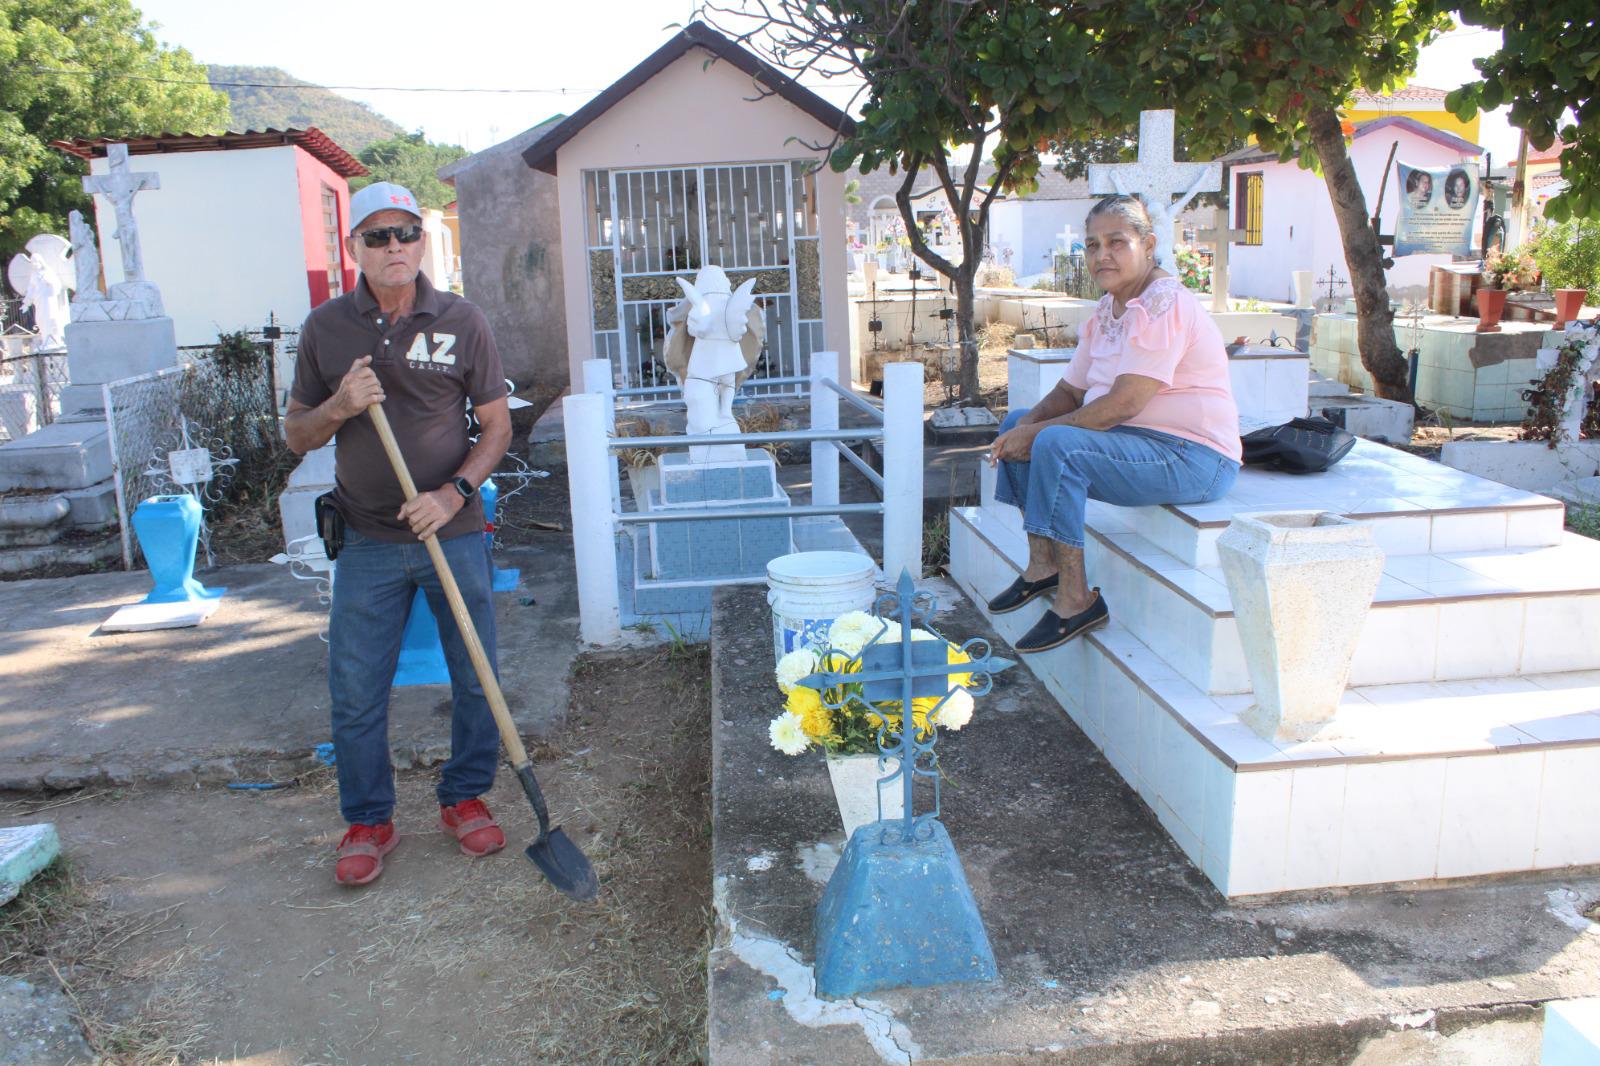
x: 411, y: 160
x: 115, y: 98
x: 1548, y: 61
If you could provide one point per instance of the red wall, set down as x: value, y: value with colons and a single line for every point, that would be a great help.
x: 313, y: 174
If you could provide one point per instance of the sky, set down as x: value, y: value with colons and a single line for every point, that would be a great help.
x: 567, y: 50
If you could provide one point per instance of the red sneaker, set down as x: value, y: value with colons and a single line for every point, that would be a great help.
x: 473, y: 827
x: 361, y: 853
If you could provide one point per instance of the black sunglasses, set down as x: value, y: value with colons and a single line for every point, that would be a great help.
x: 379, y: 238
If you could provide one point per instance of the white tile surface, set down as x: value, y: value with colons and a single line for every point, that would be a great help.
x: 1397, y: 644
x: 1392, y: 813
x: 1180, y: 770
x: 1561, y: 633
x: 1468, y: 532
x: 1217, y: 784
x: 1479, y: 638
x: 1260, y: 832
x: 1569, y: 809
x: 1533, y: 526
x: 1316, y: 818
x: 1491, y: 813
x: 1402, y: 536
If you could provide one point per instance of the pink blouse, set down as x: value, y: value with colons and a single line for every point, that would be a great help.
x: 1164, y: 334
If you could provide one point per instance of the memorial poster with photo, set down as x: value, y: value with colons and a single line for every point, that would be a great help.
x: 1438, y: 206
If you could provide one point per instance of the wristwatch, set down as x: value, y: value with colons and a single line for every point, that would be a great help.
x: 464, y: 487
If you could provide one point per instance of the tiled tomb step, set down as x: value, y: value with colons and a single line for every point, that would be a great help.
x: 1416, y: 507
x: 1488, y: 613
x: 1417, y: 781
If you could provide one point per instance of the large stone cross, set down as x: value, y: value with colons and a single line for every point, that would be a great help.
x: 120, y: 186
x: 1065, y: 237
x: 1156, y: 178
x: 1220, y: 236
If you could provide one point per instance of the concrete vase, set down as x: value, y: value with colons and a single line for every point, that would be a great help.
x: 857, y: 790
x: 1301, y: 583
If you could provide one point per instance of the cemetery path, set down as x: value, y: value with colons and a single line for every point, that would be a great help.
x: 242, y: 697
x: 206, y: 923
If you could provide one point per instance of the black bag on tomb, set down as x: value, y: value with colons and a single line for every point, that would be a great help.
x: 1299, y: 446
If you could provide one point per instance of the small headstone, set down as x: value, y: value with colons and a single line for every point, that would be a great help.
x: 24, y: 851
x: 139, y: 617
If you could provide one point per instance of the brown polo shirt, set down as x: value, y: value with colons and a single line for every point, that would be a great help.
x: 430, y: 363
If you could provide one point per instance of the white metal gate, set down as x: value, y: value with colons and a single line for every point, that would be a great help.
x: 646, y: 227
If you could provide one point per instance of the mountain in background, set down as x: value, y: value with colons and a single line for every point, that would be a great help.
x: 352, y: 126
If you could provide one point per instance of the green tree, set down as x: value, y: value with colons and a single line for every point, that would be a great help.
x: 83, y: 68
x: 413, y: 161
x: 1548, y: 61
x: 989, y: 81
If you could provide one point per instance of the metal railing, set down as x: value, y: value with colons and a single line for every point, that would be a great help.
x: 598, y: 518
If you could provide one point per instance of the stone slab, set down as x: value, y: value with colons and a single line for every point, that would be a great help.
x: 240, y: 695
x: 94, y: 507
x: 1371, y: 417
x: 1111, y: 947
x: 72, y: 549
x: 32, y: 519
x: 110, y: 351
x: 1524, y: 464
x: 62, y: 455
x: 82, y: 398
x: 141, y: 617
x: 24, y: 851
x: 37, y: 1026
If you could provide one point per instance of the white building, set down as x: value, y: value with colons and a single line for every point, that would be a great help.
x: 245, y: 225
x: 1289, y: 216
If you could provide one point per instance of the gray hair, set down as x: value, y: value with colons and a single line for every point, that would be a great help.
x: 1130, y: 209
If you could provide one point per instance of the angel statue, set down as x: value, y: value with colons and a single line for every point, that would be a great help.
x: 717, y: 335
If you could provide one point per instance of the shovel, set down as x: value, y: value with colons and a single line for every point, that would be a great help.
x: 554, y: 853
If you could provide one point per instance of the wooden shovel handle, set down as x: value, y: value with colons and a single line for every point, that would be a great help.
x: 458, y: 606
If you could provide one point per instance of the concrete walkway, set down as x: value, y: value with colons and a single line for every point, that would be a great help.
x: 1112, y: 947
x: 244, y: 695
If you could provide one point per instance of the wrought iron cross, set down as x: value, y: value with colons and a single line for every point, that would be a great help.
x: 906, y: 670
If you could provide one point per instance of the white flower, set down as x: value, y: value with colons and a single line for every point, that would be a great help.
x: 851, y: 631
x: 956, y: 712
x: 923, y: 634
x: 788, y: 734
x: 891, y: 630
x: 800, y: 663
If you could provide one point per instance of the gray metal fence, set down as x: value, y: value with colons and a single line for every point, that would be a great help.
x: 30, y: 391
x: 215, y: 399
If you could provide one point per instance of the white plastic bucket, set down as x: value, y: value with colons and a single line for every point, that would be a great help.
x: 808, y: 590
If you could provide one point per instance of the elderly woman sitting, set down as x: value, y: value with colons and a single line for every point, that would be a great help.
x: 1144, y: 415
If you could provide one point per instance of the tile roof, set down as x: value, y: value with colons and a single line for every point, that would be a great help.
x: 313, y: 140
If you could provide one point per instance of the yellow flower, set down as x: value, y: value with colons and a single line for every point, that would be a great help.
x: 807, y: 706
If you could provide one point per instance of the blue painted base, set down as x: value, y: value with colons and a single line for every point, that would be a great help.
x: 899, y: 916
x: 506, y: 580
x: 421, y: 654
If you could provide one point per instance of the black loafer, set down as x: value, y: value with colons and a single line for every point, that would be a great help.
x: 1020, y: 592
x: 1052, y: 630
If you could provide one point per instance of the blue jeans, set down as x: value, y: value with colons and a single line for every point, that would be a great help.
x: 374, y: 583
x: 1126, y: 465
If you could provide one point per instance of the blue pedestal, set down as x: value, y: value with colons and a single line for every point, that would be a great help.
x: 726, y: 549
x: 899, y: 915
x: 168, y: 528
x: 421, y: 654
x: 504, y: 579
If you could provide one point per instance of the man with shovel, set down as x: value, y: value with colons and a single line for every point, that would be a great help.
x: 423, y: 354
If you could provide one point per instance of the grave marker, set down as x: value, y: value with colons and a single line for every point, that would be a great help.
x: 1155, y: 179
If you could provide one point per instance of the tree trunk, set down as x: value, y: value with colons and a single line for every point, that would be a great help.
x: 966, y: 331
x: 1363, y: 255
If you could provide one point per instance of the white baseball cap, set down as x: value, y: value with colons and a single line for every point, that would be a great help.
x: 381, y: 196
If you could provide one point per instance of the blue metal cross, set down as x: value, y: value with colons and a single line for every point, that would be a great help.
x: 906, y: 670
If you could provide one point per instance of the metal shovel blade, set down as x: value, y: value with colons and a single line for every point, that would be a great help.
x: 567, y: 868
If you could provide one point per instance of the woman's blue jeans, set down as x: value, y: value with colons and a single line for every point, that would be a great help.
x: 1126, y: 465
x: 374, y: 583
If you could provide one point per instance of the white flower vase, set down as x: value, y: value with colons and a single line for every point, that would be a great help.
x: 857, y: 790
x: 1302, y: 583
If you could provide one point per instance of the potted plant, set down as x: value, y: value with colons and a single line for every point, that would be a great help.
x: 1569, y: 258
x: 1506, y: 272
x: 640, y: 463
x: 844, y: 726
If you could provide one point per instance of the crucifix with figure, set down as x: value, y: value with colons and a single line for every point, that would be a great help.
x: 1155, y: 179
x: 120, y: 186
x: 1220, y: 236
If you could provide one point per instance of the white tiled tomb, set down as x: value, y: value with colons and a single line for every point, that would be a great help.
x: 1468, y: 742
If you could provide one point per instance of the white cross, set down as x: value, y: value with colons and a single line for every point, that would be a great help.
x: 1220, y: 237
x: 120, y: 186
x: 1065, y: 237
x: 1156, y: 179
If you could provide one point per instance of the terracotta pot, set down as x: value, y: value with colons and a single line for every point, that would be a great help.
x: 1491, y: 305
x: 1569, y: 302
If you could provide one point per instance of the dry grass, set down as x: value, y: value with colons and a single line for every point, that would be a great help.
x: 63, y: 931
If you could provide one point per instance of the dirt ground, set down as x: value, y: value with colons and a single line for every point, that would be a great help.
x: 204, y: 926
